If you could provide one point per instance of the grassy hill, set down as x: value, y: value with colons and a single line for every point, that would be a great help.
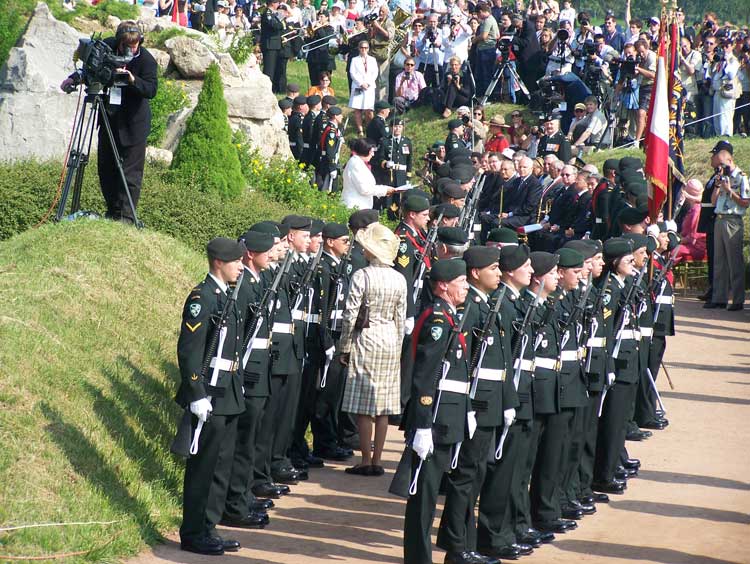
x: 88, y: 368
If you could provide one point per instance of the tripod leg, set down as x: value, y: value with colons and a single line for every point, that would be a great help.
x: 118, y: 160
x: 77, y: 159
x: 491, y: 86
x: 75, y: 204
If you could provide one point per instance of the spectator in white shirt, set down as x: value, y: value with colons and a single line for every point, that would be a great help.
x: 359, y: 184
x: 568, y: 12
x: 456, y: 38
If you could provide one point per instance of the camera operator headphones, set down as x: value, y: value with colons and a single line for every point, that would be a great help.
x: 129, y: 27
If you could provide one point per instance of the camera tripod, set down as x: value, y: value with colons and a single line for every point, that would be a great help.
x: 83, y: 133
x: 499, y: 77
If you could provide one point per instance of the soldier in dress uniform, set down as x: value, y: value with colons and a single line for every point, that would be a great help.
x: 394, y: 160
x: 296, y: 139
x: 414, y: 220
x: 450, y: 214
x: 493, y: 403
x: 554, y: 142
x: 207, y: 471
x: 435, y: 420
x: 242, y: 508
x: 285, y: 105
x: 271, y: 28
x: 308, y: 126
x: 331, y: 137
x: 455, y: 135
x: 602, y: 199
x: 378, y: 128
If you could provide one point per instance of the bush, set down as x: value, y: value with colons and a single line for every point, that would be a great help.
x: 170, y: 98
x: 14, y: 14
x: 157, y: 39
x: 205, y: 156
x: 286, y: 182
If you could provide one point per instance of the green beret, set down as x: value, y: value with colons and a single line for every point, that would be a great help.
x: 454, y: 123
x: 270, y: 227
x: 453, y: 190
x: 335, y: 231
x: 299, y: 100
x: 283, y: 230
x: 611, y: 164
x: 641, y: 202
x: 225, y: 249
x: 581, y: 246
x: 438, y: 144
x: 313, y: 100
x: 503, y: 235
x: 630, y: 163
x: 333, y: 111
x: 513, y: 256
x: 416, y: 204
x: 458, y: 153
x: 397, y: 121
x: 362, y: 218
x: 631, y: 216
x: 569, y: 258
x: 297, y: 222
x: 329, y: 100
x: 637, y: 240
x: 452, y: 236
x: 317, y: 227
x: 382, y: 105
x: 285, y: 104
x: 447, y: 270
x: 257, y: 241
x: 543, y: 262
x: 448, y: 211
x: 415, y: 192
x: 617, y: 247
x: 674, y: 241
x: 481, y: 257
x: 463, y: 173
x: 596, y: 244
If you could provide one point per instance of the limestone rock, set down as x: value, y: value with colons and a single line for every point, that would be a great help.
x: 175, y: 128
x: 156, y: 155
x: 113, y: 22
x: 147, y: 22
x: 162, y: 57
x: 191, y: 57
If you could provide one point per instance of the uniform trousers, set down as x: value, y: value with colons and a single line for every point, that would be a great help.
x: 207, y: 476
x: 590, y: 432
x: 502, y: 493
x: 269, y: 429
x: 239, y: 495
x: 710, y: 258
x: 270, y: 60
x: 548, y: 439
x: 462, y: 490
x: 729, y: 263
x: 285, y: 424
x: 646, y: 404
x: 306, y: 409
x: 420, y: 507
x: 724, y: 121
x: 133, y: 160
x: 612, y: 429
x: 572, y: 454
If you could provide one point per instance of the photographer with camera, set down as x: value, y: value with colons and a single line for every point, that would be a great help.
x: 742, y: 114
x: 646, y: 72
x: 590, y: 129
x: 456, y: 88
x: 430, y: 47
x: 456, y: 39
x: 408, y: 86
x: 704, y: 98
x: 725, y: 88
x: 127, y: 105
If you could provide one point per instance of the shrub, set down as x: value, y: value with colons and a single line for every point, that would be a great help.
x: 205, y: 156
x: 241, y: 47
x: 14, y: 14
x: 157, y: 39
x: 170, y: 98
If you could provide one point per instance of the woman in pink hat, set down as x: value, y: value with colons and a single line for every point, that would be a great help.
x: 693, y: 245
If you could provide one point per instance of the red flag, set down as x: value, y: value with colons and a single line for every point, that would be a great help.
x: 657, y: 137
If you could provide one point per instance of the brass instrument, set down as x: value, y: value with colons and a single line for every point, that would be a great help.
x: 545, y: 206
x: 402, y: 20
x: 291, y: 35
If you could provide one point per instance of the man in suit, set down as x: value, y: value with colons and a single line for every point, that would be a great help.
x: 129, y: 115
x: 522, y: 197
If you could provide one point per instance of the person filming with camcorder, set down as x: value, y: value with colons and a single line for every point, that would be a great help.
x: 122, y: 74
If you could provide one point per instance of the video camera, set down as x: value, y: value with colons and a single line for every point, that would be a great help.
x: 369, y: 18
x: 626, y: 66
x: 505, y: 43
x: 548, y: 98
x: 99, y: 65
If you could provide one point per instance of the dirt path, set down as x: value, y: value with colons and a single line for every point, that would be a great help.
x: 690, y: 505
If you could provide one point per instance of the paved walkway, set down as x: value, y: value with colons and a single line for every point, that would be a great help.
x: 690, y: 505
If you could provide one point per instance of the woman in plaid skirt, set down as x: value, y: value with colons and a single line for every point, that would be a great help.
x: 373, y: 351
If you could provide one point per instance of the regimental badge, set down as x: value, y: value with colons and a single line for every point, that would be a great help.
x: 195, y: 310
x: 402, y: 248
x: 331, y: 142
x: 194, y: 377
x: 348, y: 269
x: 436, y: 333
x: 606, y: 298
x: 425, y: 400
x: 490, y: 340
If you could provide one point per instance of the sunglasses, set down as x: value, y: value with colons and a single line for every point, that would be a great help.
x: 408, y: 64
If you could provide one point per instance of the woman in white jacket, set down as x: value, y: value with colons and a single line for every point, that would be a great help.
x: 359, y: 183
x: 364, y: 73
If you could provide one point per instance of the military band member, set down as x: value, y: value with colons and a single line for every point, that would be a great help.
x: 331, y: 138
x: 207, y: 471
x: 296, y: 139
x: 271, y: 28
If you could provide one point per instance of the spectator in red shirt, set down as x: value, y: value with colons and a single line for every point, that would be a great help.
x: 497, y: 143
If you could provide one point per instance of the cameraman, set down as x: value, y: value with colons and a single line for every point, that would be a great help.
x: 646, y: 71
x: 130, y: 117
x: 725, y: 88
x: 430, y: 47
x: 457, y: 88
x: 408, y: 86
x: 703, y: 98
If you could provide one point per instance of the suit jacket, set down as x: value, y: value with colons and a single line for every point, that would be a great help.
x: 522, y: 200
x: 131, y: 120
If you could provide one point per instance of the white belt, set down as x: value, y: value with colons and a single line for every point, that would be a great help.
x: 597, y: 342
x: 599, y: 220
x: 647, y: 331
x: 477, y: 227
x: 260, y: 344
x: 570, y: 356
x: 630, y: 334
x: 526, y: 364
x: 292, y: 144
x: 306, y: 145
x: 549, y: 363
x: 225, y: 364
x: 313, y: 318
x: 665, y: 300
x: 399, y: 167
x: 454, y: 386
x: 707, y: 205
x: 491, y: 374
x: 298, y: 315
x: 285, y: 328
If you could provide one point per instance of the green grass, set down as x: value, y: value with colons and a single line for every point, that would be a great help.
x: 88, y: 365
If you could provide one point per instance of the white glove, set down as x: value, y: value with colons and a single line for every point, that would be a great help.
x: 671, y: 225
x: 422, y: 443
x: 334, y: 174
x: 610, y: 379
x: 389, y: 164
x: 653, y: 231
x: 409, y: 325
x: 509, y: 415
x: 471, y: 422
x: 201, y: 408
x: 329, y: 353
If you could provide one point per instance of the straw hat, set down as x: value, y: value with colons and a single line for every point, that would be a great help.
x: 380, y: 241
x: 497, y: 121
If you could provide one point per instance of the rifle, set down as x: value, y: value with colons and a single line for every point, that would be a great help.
x: 331, y: 177
x: 483, y: 335
x: 594, y: 323
x: 264, y: 308
x: 183, y: 445
x: 421, y: 268
x: 445, y: 366
x: 330, y: 305
x: 624, y: 316
x: 469, y: 211
x: 520, y: 347
x: 304, y: 288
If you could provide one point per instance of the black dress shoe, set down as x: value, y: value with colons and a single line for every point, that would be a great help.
x: 302, y: 475
x: 601, y: 498
x: 286, y: 476
x: 569, y: 524
x: 282, y: 488
x: 646, y: 434
x: 713, y: 305
x: 314, y: 461
x: 508, y: 552
x: 632, y: 463
x: 300, y: 464
x: 253, y: 520
x: 525, y: 549
x: 532, y: 540
x: 546, y: 536
x: 229, y: 545
x: 339, y: 454
x: 209, y: 546
x: 634, y: 436
x: 464, y: 557
x: 734, y: 307
x: 556, y: 526
x: 266, y: 491
x: 656, y: 425
x: 587, y: 509
x: 621, y: 474
x: 586, y: 499
x: 571, y: 513
x: 261, y: 505
x: 613, y: 487
x: 484, y: 558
